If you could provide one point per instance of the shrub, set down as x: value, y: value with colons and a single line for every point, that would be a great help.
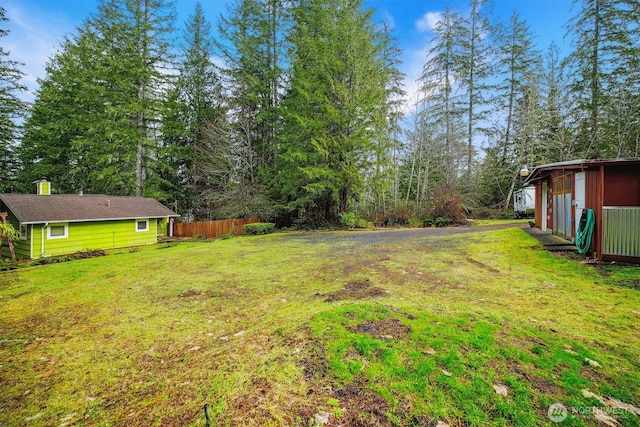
x: 486, y: 213
x: 416, y: 223
x: 5, y: 266
x: 399, y: 215
x: 440, y: 221
x: 87, y: 253
x: 447, y: 208
x: 363, y: 223
x: 259, y: 228
x: 348, y: 219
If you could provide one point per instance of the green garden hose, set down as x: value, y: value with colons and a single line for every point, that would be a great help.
x: 585, y: 231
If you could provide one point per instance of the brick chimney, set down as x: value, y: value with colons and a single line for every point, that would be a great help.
x: 43, y: 187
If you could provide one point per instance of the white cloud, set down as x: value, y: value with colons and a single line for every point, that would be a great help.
x: 33, y: 39
x: 428, y: 21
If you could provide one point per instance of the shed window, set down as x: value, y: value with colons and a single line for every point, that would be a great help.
x: 23, y: 232
x: 567, y: 184
x: 142, y: 225
x: 58, y: 231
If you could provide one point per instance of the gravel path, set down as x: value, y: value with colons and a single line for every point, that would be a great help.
x: 391, y: 236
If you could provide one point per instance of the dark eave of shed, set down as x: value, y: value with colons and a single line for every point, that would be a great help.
x: 543, y: 170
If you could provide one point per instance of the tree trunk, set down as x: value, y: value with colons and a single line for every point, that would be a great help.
x: 11, y: 250
x: 508, y: 198
x: 343, y: 199
x: 595, y: 81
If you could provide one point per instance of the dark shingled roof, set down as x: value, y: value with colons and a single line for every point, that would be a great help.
x: 31, y: 208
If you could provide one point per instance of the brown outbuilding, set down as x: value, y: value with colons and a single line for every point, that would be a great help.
x: 609, y: 187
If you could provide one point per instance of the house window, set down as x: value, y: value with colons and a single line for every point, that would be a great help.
x: 23, y: 232
x: 142, y: 225
x: 58, y: 231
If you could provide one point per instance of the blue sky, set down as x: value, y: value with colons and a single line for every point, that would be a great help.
x: 39, y: 26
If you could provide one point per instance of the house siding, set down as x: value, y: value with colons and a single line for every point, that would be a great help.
x: 86, y: 235
x: 21, y: 247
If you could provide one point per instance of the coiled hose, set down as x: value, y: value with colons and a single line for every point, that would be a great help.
x: 585, y: 231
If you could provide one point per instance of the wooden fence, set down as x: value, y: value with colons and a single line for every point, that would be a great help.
x: 212, y: 228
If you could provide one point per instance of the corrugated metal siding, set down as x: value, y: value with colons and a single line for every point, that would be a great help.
x: 621, y: 231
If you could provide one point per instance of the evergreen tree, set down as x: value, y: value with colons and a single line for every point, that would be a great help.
x: 136, y: 42
x: 382, y: 179
x: 473, y: 71
x: 12, y: 111
x: 518, y: 98
x: 333, y: 111
x: 99, y: 106
x: 556, y: 139
x: 604, y: 74
x: 194, y: 142
x: 254, y: 49
x: 442, y: 118
x: 61, y: 113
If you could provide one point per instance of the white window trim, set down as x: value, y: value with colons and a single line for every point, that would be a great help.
x: 58, y: 224
x: 146, y: 220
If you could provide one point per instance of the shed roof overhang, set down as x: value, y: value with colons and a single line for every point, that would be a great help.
x: 542, y: 171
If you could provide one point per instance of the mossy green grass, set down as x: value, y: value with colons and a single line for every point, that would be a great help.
x: 288, y: 329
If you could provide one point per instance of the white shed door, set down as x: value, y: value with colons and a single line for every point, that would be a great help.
x: 579, y: 200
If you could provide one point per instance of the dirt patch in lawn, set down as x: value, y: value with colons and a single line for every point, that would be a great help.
x: 314, y: 364
x: 546, y: 387
x: 189, y: 293
x: 384, y: 329
x: 481, y: 264
x: 358, y: 406
x: 253, y: 405
x: 356, y: 289
x: 362, y: 405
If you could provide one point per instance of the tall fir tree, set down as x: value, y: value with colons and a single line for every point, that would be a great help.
x: 518, y: 64
x: 61, y: 113
x: 253, y: 46
x: 195, y: 142
x: 604, y: 74
x: 441, y: 116
x: 105, y: 91
x: 382, y: 178
x: 474, y: 69
x: 556, y: 139
x: 333, y: 111
x: 12, y: 112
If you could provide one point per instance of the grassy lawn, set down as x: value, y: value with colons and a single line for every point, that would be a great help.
x: 301, y: 330
x: 487, y: 222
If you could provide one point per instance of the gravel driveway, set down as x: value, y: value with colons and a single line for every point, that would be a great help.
x: 390, y: 236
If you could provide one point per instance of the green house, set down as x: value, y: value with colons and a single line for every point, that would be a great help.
x: 59, y: 224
